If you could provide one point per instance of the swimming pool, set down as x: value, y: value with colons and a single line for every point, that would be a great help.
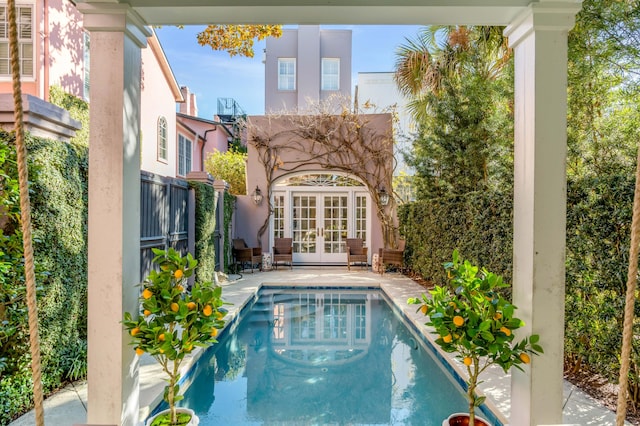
x: 322, y: 356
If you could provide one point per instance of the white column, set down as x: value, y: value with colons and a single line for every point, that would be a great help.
x: 539, y: 39
x: 117, y: 35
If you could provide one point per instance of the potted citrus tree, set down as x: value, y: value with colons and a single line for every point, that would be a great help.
x: 172, y: 322
x: 472, y: 319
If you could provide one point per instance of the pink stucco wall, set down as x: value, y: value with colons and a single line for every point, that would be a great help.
x: 157, y: 100
x: 58, y: 46
x: 250, y: 217
x: 213, y: 133
x: 66, y: 47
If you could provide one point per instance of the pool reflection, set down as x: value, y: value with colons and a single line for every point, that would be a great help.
x: 321, y: 357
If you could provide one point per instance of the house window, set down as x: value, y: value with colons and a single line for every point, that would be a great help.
x: 330, y: 74
x: 87, y: 44
x: 162, y: 139
x: 286, y: 74
x: 184, y: 155
x: 25, y: 40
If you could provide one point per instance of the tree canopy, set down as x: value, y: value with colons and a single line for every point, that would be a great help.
x: 237, y: 39
x: 460, y: 83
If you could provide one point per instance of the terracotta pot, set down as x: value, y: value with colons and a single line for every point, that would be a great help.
x: 195, y: 420
x: 462, y: 419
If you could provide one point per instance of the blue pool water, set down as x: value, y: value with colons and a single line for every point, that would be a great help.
x: 322, y: 356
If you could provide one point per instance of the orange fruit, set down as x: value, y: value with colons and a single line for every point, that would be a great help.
x: 188, y: 347
x: 423, y: 309
x: 497, y: 316
x: 161, y: 350
x: 135, y: 331
x: 214, y: 332
x: 506, y: 331
x: 147, y: 312
x: 207, y: 311
x: 175, y: 307
x: 191, y: 306
x: 467, y: 361
x: 458, y: 321
x: 525, y: 358
x: 139, y: 351
x: 147, y: 293
x: 447, y: 338
x: 161, y: 337
x: 180, y: 288
x: 178, y: 274
x: 219, y: 315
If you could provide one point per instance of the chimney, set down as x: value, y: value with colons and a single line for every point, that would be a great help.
x: 185, y: 106
x: 192, y: 105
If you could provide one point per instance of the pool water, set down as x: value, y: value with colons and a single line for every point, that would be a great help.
x: 318, y: 357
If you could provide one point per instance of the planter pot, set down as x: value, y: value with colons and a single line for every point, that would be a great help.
x: 462, y: 419
x: 195, y: 420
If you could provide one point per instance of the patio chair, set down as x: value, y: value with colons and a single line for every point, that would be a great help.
x: 356, y: 252
x: 283, y: 251
x: 242, y: 254
x: 389, y: 256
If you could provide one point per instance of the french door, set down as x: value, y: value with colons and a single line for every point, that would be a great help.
x: 319, y: 227
x: 319, y: 211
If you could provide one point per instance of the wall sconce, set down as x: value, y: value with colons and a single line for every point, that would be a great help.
x: 257, y: 196
x: 383, y: 196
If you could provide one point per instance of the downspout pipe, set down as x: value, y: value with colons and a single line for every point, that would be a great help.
x: 204, y: 142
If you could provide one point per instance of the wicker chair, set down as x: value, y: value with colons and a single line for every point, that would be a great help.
x: 356, y: 252
x: 392, y: 256
x: 244, y: 254
x: 283, y: 251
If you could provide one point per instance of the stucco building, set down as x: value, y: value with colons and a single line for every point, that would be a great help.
x: 312, y: 195
x: 305, y: 66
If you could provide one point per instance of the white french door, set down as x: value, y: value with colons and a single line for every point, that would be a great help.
x: 319, y: 227
x: 319, y: 211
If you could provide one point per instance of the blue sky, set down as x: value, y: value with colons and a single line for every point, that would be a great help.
x: 212, y: 75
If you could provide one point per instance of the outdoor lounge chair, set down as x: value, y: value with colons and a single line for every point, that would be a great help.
x: 283, y: 251
x: 356, y: 252
x: 389, y: 256
x: 242, y: 254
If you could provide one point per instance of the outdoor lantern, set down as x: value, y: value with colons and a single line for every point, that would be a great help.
x: 257, y: 196
x: 384, y: 197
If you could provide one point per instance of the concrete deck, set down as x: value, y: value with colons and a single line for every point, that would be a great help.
x: 69, y: 406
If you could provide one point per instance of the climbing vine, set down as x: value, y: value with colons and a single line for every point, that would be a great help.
x: 360, y: 145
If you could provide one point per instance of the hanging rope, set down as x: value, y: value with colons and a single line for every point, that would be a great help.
x: 632, y: 276
x: 25, y: 215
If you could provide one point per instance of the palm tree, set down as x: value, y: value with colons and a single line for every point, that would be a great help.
x: 447, y: 52
x: 458, y: 82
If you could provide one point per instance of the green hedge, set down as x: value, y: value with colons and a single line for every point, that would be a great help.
x: 598, y: 238
x: 229, y: 207
x: 599, y: 214
x: 478, y: 224
x: 58, y: 174
x: 205, y: 224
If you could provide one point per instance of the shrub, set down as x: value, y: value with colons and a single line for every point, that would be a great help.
x: 58, y: 174
x: 478, y: 224
x: 205, y: 224
x: 599, y: 211
x: 229, y: 166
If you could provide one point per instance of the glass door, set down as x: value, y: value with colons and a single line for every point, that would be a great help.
x: 319, y: 227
